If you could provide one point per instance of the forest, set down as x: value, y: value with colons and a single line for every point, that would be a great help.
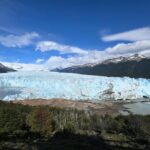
x: 25, y: 127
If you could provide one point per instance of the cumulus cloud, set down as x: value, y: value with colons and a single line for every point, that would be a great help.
x: 91, y: 58
x: 25, y: 67
x: 51, y: 45
x: 97, y: 56
x: 18, y: 40
x: 39, y: 60
x: 140, y: 44
x: 132, y: 35
x: 60, y: 62
x: 134, y: 47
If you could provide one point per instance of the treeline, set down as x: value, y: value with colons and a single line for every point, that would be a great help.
x: 33, y: 125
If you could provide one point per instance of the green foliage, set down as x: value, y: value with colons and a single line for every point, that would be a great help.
x: 11, y: 120
x: 138, y: 126
x: 41, y: 121
x: 69, y: 127
x: 29, y: 123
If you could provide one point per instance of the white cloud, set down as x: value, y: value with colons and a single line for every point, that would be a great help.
x: 18, y: 40
x: 132, y: 35
x: 96, y: 56
x: 82, y: 56
x: 90, y: 58
x: 38, y: 61
x: 51, y: 45
x: 139, y: 45
x: 25, y: 67
x: 134, y: 47
x: 60, y: 62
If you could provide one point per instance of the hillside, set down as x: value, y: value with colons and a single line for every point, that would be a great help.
x: 4, y: 69
x: 134, y: 66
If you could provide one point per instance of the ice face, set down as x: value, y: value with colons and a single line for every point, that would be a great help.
x: 49, y: 85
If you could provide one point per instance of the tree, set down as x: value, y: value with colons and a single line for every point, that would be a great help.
x: 11, y: 120
x: 41, y: 121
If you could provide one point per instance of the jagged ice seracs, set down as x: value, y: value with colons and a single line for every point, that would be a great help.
x: 48, y: 85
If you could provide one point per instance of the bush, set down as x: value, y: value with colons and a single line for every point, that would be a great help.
x: 69, y: 127
x: 138, y: 126
x: 41, y: 121
x: 11, y: 119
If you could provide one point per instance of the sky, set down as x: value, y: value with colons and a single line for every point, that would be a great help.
x: 62, y: 33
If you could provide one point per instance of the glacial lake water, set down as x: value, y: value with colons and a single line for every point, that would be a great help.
x: 142, y: 108
x: 8, y: 91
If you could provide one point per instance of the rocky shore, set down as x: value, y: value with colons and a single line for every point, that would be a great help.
x: 102, y: 108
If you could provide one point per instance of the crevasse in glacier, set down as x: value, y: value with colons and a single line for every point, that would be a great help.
x: 47, y: 85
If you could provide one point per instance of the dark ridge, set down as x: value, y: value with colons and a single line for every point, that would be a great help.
x: 4, y: 69
x: 135, y: 68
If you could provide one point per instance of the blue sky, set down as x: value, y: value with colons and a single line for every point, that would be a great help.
x: 65, y: 31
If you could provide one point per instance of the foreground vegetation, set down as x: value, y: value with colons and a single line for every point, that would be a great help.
x: 47, y: 128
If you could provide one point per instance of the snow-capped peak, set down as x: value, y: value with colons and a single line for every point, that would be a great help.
x: 135, y: 57
x: 114, y: 60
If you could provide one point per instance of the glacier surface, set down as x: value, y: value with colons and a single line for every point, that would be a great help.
x: 47, y: 85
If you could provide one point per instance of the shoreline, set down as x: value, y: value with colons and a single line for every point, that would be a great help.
x: 112, y: 108
x: 101, y: 108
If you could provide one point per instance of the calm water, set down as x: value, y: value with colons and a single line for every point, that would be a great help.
x: 142, y: 108
x: 8, y: 91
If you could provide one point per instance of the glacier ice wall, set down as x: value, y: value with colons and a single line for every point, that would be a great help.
x: 49, y: 85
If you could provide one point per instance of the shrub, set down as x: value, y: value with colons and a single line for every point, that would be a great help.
x: 11, y: 119
x: 41, y: 121
x: 69, y: 127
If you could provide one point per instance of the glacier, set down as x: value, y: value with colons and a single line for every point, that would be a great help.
x: 48, y: 85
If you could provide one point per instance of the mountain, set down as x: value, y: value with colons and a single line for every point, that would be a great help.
x: 136, y: 66
x: 4, y: 69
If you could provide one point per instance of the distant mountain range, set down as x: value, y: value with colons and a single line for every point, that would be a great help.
x: 4, y: 69
x: 137, y: 66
